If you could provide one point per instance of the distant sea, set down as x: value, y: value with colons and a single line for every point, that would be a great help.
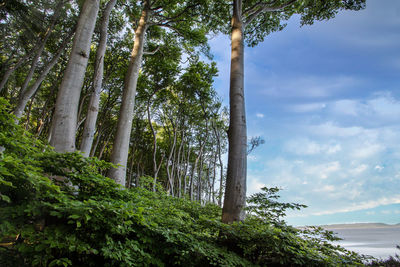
x: 378, y: 240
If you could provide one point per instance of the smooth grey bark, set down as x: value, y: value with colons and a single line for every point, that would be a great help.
x: 214, y: 177
x: 94, y: 147
x: 93, y: 108
x: 178, y: 164
x: 186, y: 170
x: 31, y: 90
x: 120, y: 150
x: 235, y: 190
x: 221, y: 164
x: 170, y: 171
x: 199, y: 177
x: 194, y: 168
x: 63, y: 129
x: 153, y: 132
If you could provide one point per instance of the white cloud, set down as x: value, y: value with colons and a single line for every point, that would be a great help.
x: 304, y: 146
x: 367, y: 150
x: 346, y: 107
x: 363, y: 205
x: 359, y: 169
x: 327, y: 188
x: 251, y: 158
x: 331, y: 129
x: 309, y: 87
x: 260, y: 115
x: 254, y: 185
x: 324, y: 170
x: 379, y: 168
x: 380, y: 108
x: 303, y: 108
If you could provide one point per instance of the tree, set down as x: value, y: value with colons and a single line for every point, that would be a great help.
x: 93, y: 109
x: 64, y: 122
x: 184, y: 19
x: 253, y: 20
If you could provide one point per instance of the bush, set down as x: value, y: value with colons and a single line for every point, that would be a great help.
x: 58, y: 210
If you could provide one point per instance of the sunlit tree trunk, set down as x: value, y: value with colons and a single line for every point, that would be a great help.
x: 235, y: 191
x: 63, y: 130
x: 121, y: 142
x: 93, y: 109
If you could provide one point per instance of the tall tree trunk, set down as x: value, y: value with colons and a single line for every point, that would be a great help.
x: 93, y: 149
x: 121, y: 142
x: 170, y: 171
x: 66, y: 109
x: 235, y: 191
x: 104, y: 145
x: 178, y: 164
x: 186, y: 170
x: 194, y: 168
x: 214, y: 176
x: 29, y: 92
x: 93, y: 109
x: 199, y: 178
x: 153, y: 132
x: 221, y: 165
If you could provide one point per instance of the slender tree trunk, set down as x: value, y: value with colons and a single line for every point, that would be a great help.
x: 93, y: 109
x: 104, y: 145
x: 186, y: 170
x: 153, y: 132
x: 178, y: 165
x: 199, y: 177
x: 28, y: 93
x: 169, y: 171
x: 221, y: 165
x: 93, y: 149
x: 121, y: 142
x: 194, y: 168
x: 235, y: 192
x: 214, y: 176
x: 66, y: 110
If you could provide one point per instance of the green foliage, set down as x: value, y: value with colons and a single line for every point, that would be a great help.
x: 58, y: 210
x: 265, y: 206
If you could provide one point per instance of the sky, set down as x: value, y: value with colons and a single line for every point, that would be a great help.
x: 326, y: 100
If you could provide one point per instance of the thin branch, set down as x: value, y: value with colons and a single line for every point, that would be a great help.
x: 152, y: 52
x: 265, y: 8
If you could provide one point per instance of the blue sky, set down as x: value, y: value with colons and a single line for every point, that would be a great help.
x: 326, y: 99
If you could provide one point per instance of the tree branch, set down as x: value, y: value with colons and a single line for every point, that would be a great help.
x: 262, y: 8
x: 152, y: 52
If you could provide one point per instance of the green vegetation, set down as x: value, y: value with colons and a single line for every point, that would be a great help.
x: 58, y: 210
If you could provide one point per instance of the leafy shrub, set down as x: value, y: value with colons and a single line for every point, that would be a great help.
x: 58, y: 210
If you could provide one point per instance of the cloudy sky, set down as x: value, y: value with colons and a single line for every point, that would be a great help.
x: 326, y: 99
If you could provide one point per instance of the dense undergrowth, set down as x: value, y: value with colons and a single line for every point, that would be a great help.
x: 58, y: 210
